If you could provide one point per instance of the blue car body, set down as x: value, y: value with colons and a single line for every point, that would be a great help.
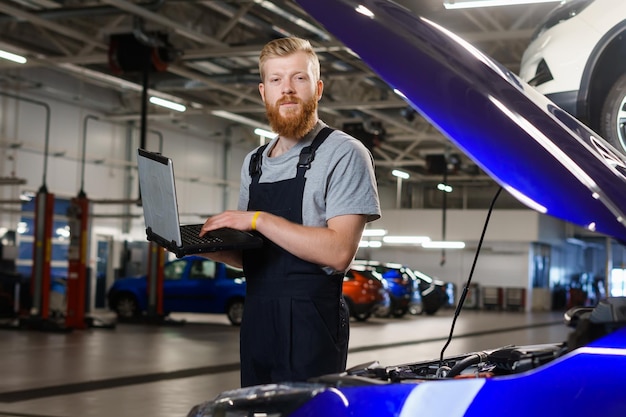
x: 192, y: 284
x: 539, y: 154
x: 400, y: 285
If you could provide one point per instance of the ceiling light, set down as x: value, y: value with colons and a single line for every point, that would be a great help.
x: 407, y: 240
x: 264, y: 133
x: 446, y: 244
x: 374, y: 232
x: 370, y: 244
x: 167, y: 104
x: 236, y: 118
x: 400, y: 174
x: 12, y: 57
x: 467, y: 4
x: 444, y: 187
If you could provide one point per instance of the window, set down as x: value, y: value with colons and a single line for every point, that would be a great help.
x: 174, y: 270
x: 202, y: 269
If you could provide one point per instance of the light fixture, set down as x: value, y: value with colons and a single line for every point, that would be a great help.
x: 374, y: 232
x: 467, y: 4
x: 12, y: 57
x: 264, y: 133
x: 237, y: 118
x: 444, y: 187
x: 167, y: 104
x: 400, y: 174
x: 406, y: 240
x: 370, y: 244
x: 446, y: 244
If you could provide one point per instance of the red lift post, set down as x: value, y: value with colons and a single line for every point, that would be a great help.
x: 78, y: 219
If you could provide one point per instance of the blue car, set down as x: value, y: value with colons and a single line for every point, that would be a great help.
x: 400, y: 286
x: 192, y: 284
x: 539, y: 154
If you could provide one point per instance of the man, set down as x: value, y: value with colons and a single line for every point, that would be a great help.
x: 309, y: 193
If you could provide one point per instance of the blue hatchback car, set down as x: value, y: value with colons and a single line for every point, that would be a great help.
x: 400, y: 286
x: 192, y: 284
x: 535, y: 151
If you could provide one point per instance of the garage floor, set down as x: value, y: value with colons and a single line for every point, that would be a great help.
x: 163, y: 370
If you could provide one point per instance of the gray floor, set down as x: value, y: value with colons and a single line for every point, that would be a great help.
x: 163, y: 370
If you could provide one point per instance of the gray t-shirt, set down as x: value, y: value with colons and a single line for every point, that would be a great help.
x: 340, y: 181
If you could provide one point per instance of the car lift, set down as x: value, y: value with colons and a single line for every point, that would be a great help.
x: 40, y: 317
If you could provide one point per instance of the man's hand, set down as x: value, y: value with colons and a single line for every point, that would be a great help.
x: 240, y: 220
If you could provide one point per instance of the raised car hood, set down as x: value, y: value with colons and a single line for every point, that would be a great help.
x: 544, y: 157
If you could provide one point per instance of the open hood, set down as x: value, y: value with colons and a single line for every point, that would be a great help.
x: 540, y: 154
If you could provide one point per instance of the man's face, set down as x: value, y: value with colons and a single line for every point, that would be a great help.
x: 291, y: 91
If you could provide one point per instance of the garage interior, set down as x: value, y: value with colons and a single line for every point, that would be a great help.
x: 80, y: 58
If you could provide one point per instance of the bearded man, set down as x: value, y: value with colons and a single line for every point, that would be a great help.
x: 309, y: 194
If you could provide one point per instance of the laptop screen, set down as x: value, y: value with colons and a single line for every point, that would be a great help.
x: 158, y: 195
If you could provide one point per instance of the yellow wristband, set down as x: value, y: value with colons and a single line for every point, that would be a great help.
x: 256, y: 216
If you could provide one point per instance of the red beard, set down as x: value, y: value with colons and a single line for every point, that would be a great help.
x: 296, y: 123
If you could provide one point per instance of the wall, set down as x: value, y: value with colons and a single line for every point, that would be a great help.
x: 208, y: 160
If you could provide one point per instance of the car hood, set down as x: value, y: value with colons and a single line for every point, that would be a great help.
x: 548, y: 160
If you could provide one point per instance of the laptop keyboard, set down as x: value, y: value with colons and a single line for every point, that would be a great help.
x: 189, y: 234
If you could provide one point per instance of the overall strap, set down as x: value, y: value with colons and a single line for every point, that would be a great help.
x: 307, y: 154
x: 254, y: 169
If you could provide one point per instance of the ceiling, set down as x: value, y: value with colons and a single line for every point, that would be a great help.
x: 210, y: 49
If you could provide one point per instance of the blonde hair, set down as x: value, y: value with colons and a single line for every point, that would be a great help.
x: 284, y: 47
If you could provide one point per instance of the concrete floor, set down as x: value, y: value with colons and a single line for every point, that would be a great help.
x: 151, y: 370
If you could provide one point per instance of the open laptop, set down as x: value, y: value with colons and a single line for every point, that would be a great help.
x: 160, y: 211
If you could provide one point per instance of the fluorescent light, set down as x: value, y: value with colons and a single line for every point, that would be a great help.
x: 236, y: 118
x: 446, y: 244
x: 12, y: 57
x: 370, y: 244
x: 444, y: 187
x: 410, y: 240
x: 400, y: 174
x: 264, y: 133
x: 467, y: 4
x: 374, y: 232
x: 168, y: 104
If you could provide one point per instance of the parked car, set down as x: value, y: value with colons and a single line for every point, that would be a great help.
x: 576, y: 59
x: 191, y: 284
x: 400, y: 286
x: 365, y: 292
x: 534, y: 150
x: 429, y: 294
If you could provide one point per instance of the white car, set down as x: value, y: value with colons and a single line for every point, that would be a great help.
x: 577, y: 58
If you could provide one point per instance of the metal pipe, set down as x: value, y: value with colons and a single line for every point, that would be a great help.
x: 44, y: 188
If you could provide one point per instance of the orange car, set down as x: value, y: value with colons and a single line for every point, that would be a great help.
x: 365, y: 292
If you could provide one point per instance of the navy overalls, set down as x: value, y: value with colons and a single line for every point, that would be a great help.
x: 295, y: 321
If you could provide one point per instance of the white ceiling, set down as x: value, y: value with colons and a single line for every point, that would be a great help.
x: 218, y: 42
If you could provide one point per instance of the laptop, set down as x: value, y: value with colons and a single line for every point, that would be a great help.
x: 160, y: 211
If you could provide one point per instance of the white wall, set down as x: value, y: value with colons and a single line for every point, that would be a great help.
x: 208, y: 174
x: 205, y: 185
